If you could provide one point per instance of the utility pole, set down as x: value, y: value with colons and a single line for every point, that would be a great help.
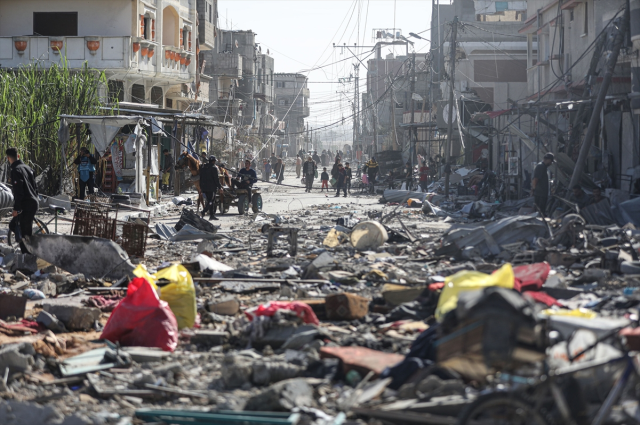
x: 356, y: 105
x: 452, y: 80
x: 412, y: 137
x: 392, y: 108
x: 602, y: 94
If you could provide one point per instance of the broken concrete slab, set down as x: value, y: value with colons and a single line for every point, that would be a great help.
x: 73, y: 316
x: 229, y: 306
x: 94, y: 257
x: 21, y: 413
x: 16, y: 357
x: 50, y: 322
x: 283, y: 396
x: 346, y: 306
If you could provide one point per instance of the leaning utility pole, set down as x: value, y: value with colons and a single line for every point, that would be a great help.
x: 589, y: 80
x: 606, y: 81
x: 452, y: 79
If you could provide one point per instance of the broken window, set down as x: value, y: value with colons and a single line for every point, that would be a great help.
x: 156, y: 96
x: 137, y: 93
x: 55, y: 24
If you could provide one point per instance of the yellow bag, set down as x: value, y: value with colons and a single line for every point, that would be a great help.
x: 471, y: 281
x: 180, y: 293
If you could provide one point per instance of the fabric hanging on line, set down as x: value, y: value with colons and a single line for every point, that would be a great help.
x: 117, y: 159
x: 129, y: 144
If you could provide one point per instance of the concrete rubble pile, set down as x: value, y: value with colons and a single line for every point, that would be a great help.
x: 332, y: 315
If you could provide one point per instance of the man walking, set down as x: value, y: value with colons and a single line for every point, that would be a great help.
x: 540, y: 182
x: 341, y: 182
x: 372, y: 172
x: 167, y: 170
x: 349, y: 176
x: 209, y: 185
x: 86, y: 169
x: 25, y: 195
x: 309, y: 170
x: 279, y: 171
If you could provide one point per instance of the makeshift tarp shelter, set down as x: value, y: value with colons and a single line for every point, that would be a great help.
x: 103, y: 130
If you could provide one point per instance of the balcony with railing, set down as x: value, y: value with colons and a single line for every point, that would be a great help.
x: 117, y: 53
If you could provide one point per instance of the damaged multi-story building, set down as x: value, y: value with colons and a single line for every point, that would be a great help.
x: 292, y: 107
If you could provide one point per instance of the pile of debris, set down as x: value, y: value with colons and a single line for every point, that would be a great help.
x: 340, y: 314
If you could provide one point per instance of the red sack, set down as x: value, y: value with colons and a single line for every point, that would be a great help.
x: 530, y: 277
x: 142, y: 319
x: 303, y: 310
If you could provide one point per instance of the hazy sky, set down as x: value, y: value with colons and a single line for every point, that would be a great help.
x: 300, y: 35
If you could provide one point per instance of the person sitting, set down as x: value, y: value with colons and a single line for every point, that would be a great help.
x: 598, y: 197
x: 246, y: 178
x: 579, y: 197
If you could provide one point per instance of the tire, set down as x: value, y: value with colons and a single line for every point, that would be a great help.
x: 39, y: 228
x: 243, y: 204
x: 256, y: 203
x: 501, y: 409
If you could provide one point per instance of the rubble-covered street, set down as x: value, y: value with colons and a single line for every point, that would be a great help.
x: 362, y: 311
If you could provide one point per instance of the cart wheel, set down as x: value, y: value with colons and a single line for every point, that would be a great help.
x: 243, y: 204
x: 256, y: 202
x: 39, y: 228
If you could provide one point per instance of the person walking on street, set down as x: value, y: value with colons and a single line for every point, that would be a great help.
x: 267, y: 170
x: 408, y: 175
x: 298, y: 166
x: 279, y: 171
x: 540, y: 182
x: 349, y: 175
x: 316, y: 158
x: 245, y: 179
x: 341, y: 181
x: 324, y: 177
x: 25, y: 196
x: 309, y: 170
x: 86, y: 169
x: 424, y: 176
x: 167, y: 169
x: 335, y: 168
x: 210, y: 185
x: 372, y: 172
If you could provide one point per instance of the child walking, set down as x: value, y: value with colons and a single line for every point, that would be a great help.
x: 325, y: 179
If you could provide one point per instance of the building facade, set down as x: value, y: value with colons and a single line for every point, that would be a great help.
x: 146, y: 49
x: 291, y: 109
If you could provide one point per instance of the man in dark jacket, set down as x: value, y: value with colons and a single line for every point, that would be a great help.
x: 279, y: 169
x: 246, y: 178
x: 86, y: 169
x: 309, y: 169
x: 335, y: 169
x: 349, y: 176
x: 25, y: 195
x: 210, y: 184
x: 341, y: 181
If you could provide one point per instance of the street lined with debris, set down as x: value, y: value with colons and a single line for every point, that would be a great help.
x: 367, y: 310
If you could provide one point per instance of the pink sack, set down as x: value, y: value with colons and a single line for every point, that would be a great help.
x: 142, y: 319
x: 303, y: 310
